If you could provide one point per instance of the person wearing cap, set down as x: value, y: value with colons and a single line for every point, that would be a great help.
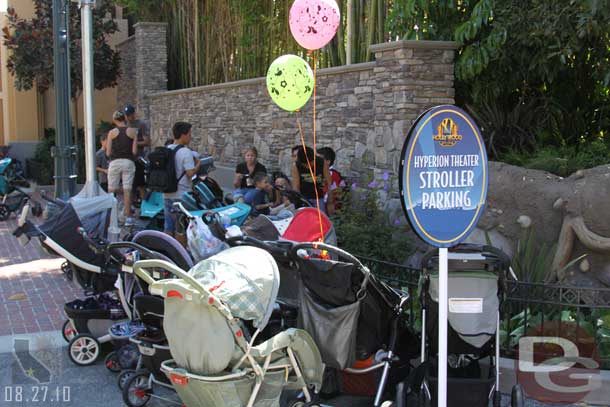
x: 121, y: 148
x: 143, y: 142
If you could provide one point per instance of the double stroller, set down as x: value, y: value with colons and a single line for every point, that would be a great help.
x: 215, y: 318
x: 476, y: 286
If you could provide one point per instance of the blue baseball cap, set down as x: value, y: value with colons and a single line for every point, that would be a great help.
x: 129, y: 109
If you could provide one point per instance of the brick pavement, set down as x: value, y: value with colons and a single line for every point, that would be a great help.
x: 33, y: 289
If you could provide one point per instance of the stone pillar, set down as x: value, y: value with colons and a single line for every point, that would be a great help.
x: 410, y: 76
x: 151, y: 63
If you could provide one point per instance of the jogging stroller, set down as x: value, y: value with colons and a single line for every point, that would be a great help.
x: 13, y: 197
x: 477, y: 276
x: 219, y: 363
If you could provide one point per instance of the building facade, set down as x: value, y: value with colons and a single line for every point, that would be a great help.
x: 25, y: 114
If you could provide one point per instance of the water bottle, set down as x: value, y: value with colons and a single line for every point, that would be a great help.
x: 225, y: 220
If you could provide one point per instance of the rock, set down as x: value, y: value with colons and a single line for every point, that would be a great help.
x: 524, y: 221
x: 584, y: 266
x: 558, y: 204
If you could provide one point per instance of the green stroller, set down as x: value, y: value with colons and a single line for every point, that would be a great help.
x: 216, y: 362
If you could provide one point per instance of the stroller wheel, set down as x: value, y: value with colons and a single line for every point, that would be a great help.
x: 137, y: 390
x: 84, y: 349
x: 124, y: 377
x: 67, y: 270
x: 516, y: 397
x: 112, y: 362
x: 68, y: 331
x: 497, y: 399
x: 4, y: 212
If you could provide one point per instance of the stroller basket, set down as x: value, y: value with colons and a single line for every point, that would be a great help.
x: 210, y: 391
x: 154, y: 352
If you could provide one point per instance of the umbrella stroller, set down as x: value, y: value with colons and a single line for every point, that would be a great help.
x: 477, y: 276
x: 219, y: 363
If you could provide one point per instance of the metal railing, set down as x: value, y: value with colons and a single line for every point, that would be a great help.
x: 527, y: 308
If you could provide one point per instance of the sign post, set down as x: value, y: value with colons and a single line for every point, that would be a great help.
x: 443, y: 185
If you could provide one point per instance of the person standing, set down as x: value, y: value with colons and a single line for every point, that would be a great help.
x: 186, y: 167
x: 302, y: 180
x: 143, y: 141
x: 101, y: 163
x: 121, y: 148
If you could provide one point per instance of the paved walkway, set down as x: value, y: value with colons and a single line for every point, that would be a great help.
x: 33, y: 290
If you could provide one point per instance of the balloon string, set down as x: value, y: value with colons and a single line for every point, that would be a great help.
x: 313, y: 177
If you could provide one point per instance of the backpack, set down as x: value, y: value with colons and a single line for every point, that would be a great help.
x: 162, y: 169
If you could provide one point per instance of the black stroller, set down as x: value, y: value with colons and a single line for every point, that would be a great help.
x: 477, y: 276
x: 137, y: 385
x: 356, y: 320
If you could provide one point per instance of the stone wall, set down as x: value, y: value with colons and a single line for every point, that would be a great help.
x: 363, y: 110
x: 143, y: 66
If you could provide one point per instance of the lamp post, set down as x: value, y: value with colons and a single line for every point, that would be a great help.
x: 63, y: 152
x: 86, y: 7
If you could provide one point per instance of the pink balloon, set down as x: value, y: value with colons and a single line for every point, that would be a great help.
x: 314, y: 23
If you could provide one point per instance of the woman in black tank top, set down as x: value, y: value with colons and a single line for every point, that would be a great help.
x: 121, y: 147
x: 303, y: 181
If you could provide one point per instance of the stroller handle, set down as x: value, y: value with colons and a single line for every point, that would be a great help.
x: 485, y: 251
x: 251, y: 241
x: 139, y: 266
x: 323, y: 246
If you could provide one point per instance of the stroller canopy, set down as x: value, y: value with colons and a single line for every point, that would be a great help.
x: 305, y: 227
x: 245, y: 278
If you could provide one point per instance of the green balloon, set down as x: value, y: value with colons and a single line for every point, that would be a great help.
x: 290, y: 82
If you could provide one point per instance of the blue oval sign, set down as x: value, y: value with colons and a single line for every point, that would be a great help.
x: 444, y: 176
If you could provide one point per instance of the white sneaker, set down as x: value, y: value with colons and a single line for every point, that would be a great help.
x: 130, y: 221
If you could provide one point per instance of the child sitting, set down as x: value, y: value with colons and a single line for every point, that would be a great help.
x: 258, y: 197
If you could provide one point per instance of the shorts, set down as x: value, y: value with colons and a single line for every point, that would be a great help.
x: 139, y: 180
x: 121, y: 170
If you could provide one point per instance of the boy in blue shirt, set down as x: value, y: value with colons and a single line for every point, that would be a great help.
x: 258, y: 197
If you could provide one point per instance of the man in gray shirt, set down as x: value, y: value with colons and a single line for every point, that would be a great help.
x: 186, y: 167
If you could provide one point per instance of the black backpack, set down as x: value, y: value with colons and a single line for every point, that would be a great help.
x: 162, y: 169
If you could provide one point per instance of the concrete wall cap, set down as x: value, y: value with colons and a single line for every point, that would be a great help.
x: 261, y: 80
x: 388, y: 46
x: 149, y: 24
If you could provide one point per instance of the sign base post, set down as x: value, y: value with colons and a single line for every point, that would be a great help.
x: 443, y: 277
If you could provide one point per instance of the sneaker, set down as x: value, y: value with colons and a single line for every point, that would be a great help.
x: 130, y: 221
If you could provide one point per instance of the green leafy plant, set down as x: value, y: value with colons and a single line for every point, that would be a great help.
x: 561, y: 161
x: 532, y: 260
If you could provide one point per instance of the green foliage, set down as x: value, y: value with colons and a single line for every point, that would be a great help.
x: 532, y: 260
x: 561, y: 161
x: 30, y: 43
x: 211, y: 41
x: 364, y: 229
x: 535, y: 71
